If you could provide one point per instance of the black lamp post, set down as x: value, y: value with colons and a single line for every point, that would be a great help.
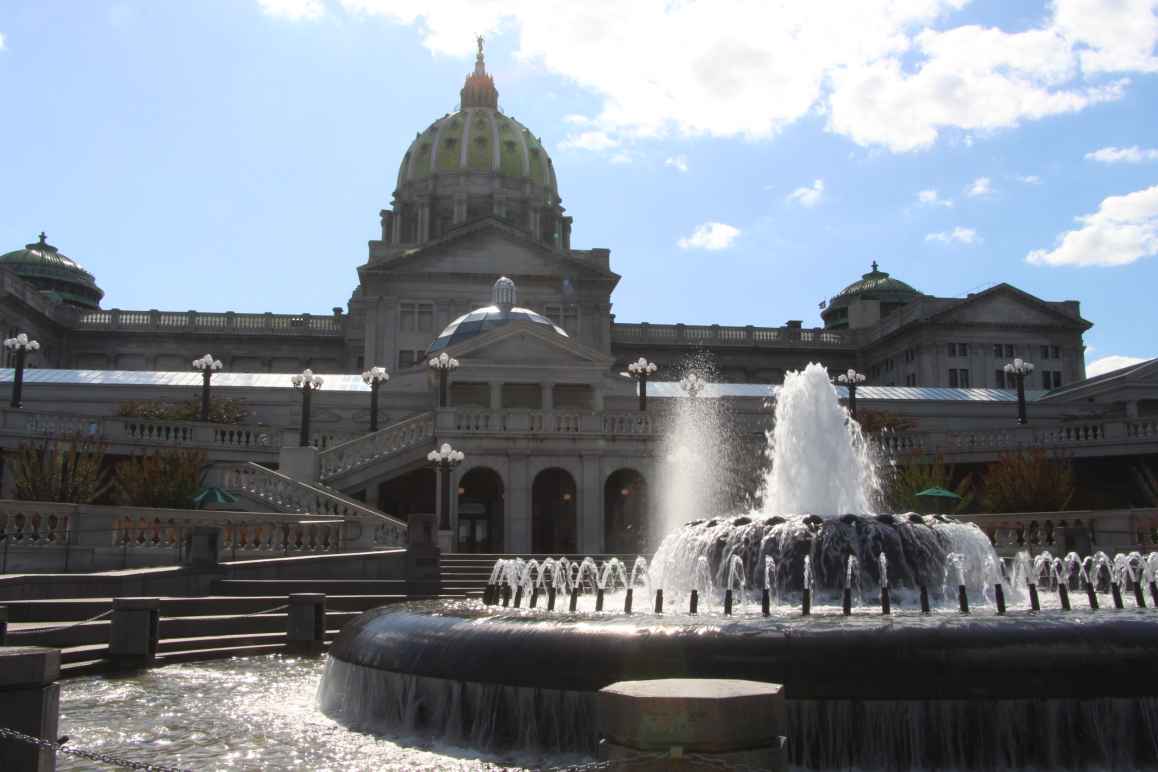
x: 443, y: 364
x: 308, y: 383
x: 640, y: 370
x: 1019, y: 369
x: 207, y: 365
x: 21, y: 345
x: 851, y: 379
x: 443, y: 460
x: 374, y: 378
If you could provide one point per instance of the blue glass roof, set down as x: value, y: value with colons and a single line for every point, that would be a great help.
x: 671, y: 389
x: 333, y: 381
x: 486, y: 319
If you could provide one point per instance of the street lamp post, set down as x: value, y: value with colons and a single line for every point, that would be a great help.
x: 374, y: 378
x: 21, y: 345
x: 1019, y: 369
x: 443, y: 364
x: 693, y: 384
x: 443, y: 460
x: 851, y: 379
x: 308, y: 383
x: 640, y: 370
x: 207, y: 365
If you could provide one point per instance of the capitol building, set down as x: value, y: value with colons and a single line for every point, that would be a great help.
x: 475, y: 256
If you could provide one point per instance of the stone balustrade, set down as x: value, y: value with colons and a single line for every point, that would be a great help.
x: 356, y: 453
x: 1128, y: 436
x: 289, y: 495
x: 203, y: 322
x: 472, y: 421
x: 44, y: 536
x: 723, y: 335
x: 1083, y: 531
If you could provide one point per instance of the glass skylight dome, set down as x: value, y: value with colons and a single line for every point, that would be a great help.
x: 502, y: 311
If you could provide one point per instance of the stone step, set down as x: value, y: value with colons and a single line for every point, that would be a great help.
x: 327, y: 586
x: 75, y: 609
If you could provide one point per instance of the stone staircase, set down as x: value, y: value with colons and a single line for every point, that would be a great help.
x: 352, y: 464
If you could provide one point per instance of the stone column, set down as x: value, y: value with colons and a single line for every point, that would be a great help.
x: 548, y: 399
x: 134, y: 632
x: 29, y: 703
x: 423, y: 557
x: 306, y: 623
x: 719, y: 723
x: 423, y: 220
x: 590, y: 506
x: 534, y: 222
x: 300, y: 463
x: 496, y: 390
x: 518, y: 505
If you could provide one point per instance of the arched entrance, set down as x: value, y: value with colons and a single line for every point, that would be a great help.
x: 625, y: 513
x: 480, y: 511
x: 407, y: 493
x: 553, y: 525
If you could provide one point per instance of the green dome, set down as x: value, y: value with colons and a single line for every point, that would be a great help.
x: 478, y: 139
x: 54, y: 274
x: 874, y: 285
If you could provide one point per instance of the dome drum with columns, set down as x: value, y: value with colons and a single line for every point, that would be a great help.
x: 472, y: 164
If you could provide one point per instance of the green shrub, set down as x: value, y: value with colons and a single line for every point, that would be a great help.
x: 221, y: 411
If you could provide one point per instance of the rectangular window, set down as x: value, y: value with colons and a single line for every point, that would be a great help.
x: 963, y: 378
x: 952, y: 349
x: 911, y: 379
x: 997, y: 349
x: 406, y: 359
x: 1046, y: 379
x: 1045, y: 352
x: 407, y: 317
x: 425, y: 317
x: 1055, y: 352
x: 999, y: 379
x: 1009, y: 349
x: 1057, y: 379
x: 962, y: 349
x: 953, y: 378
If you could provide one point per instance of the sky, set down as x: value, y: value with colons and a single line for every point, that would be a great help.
x: 743, y: 161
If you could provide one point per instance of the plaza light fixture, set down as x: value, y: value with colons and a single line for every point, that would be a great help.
x: 693, y: 384
x: 207, y: 365
x: 444, y: 459
x: 20, y: 345
x: 443, y: 364
x: 374, y: 378
x: 308, y: 382
x: 640, y: 370
x: 1019, y: 368
x: 851, y: 379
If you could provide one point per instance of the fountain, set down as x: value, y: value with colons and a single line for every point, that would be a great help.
x: 1030, y: 685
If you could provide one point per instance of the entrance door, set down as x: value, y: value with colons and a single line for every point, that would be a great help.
x: 480, y: 511
x: 473, y: 527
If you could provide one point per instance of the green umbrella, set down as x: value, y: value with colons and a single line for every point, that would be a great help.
x: 213, y: 495
x: 939, y: 493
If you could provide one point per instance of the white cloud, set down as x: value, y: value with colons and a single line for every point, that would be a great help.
x: 677, y: 162
x: 1029, y: 179
x: 958, y: 235
x: 1111, y: 362
x: 930, y: 197
x: 296, y: 10
x: 883, y: 72
x: 1123, y: 230
x: 1, y: 41
x: 590, y: 140
x: 622, y: 157
x: 712, y: 236
x: 979, y: 187
x: 1129, y: 155
x: 808, y: 196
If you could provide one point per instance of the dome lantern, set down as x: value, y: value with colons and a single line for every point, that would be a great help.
x: 504, y: 294
x: 500, y: 313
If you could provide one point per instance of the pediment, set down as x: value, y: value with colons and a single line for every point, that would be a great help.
x: 489, y: 248
x: 1008, y: 306
x: 529, y: 345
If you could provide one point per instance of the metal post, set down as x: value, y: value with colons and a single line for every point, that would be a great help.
x: 643, y: 393
x: 443, y: 378
x: 374, y: 404
x: 205, y: 376
x: 304, y: 440
x: 443, y: 471
x: 1021, y: 418
x: 18, y: 378
x: 852, y: 400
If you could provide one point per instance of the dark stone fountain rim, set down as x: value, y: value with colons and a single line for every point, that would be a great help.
x: 1048, y: 655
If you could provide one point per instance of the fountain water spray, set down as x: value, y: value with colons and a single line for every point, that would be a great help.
x: 737, y: 579
x: 1061, y: 572
x: 766, y: 596
x: 851, y: 574
x: 806, y: 596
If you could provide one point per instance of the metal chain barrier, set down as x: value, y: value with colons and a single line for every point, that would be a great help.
x: 61, y: 628
x: 637, y: 759
x: 103, y: 758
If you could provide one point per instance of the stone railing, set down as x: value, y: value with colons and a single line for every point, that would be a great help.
x: 143, y: 431
x: 354, y: 454
x: 201, y: 322
x: 722, y: 335
x: 1082, y: 531
x: 43, y: 536
x: 289, y: 495
x: 1077, y: 437
x: 545, y: 422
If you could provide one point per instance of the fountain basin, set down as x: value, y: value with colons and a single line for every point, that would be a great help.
x: 1050, y: 688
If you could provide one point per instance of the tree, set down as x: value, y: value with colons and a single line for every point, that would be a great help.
x: 919, y: 473
x: 1028, y: 481
x: 70, y: 469
x: 166, y: 478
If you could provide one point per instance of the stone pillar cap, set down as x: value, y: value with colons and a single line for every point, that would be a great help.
x: 307, y: 598
x: 28, y: 665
